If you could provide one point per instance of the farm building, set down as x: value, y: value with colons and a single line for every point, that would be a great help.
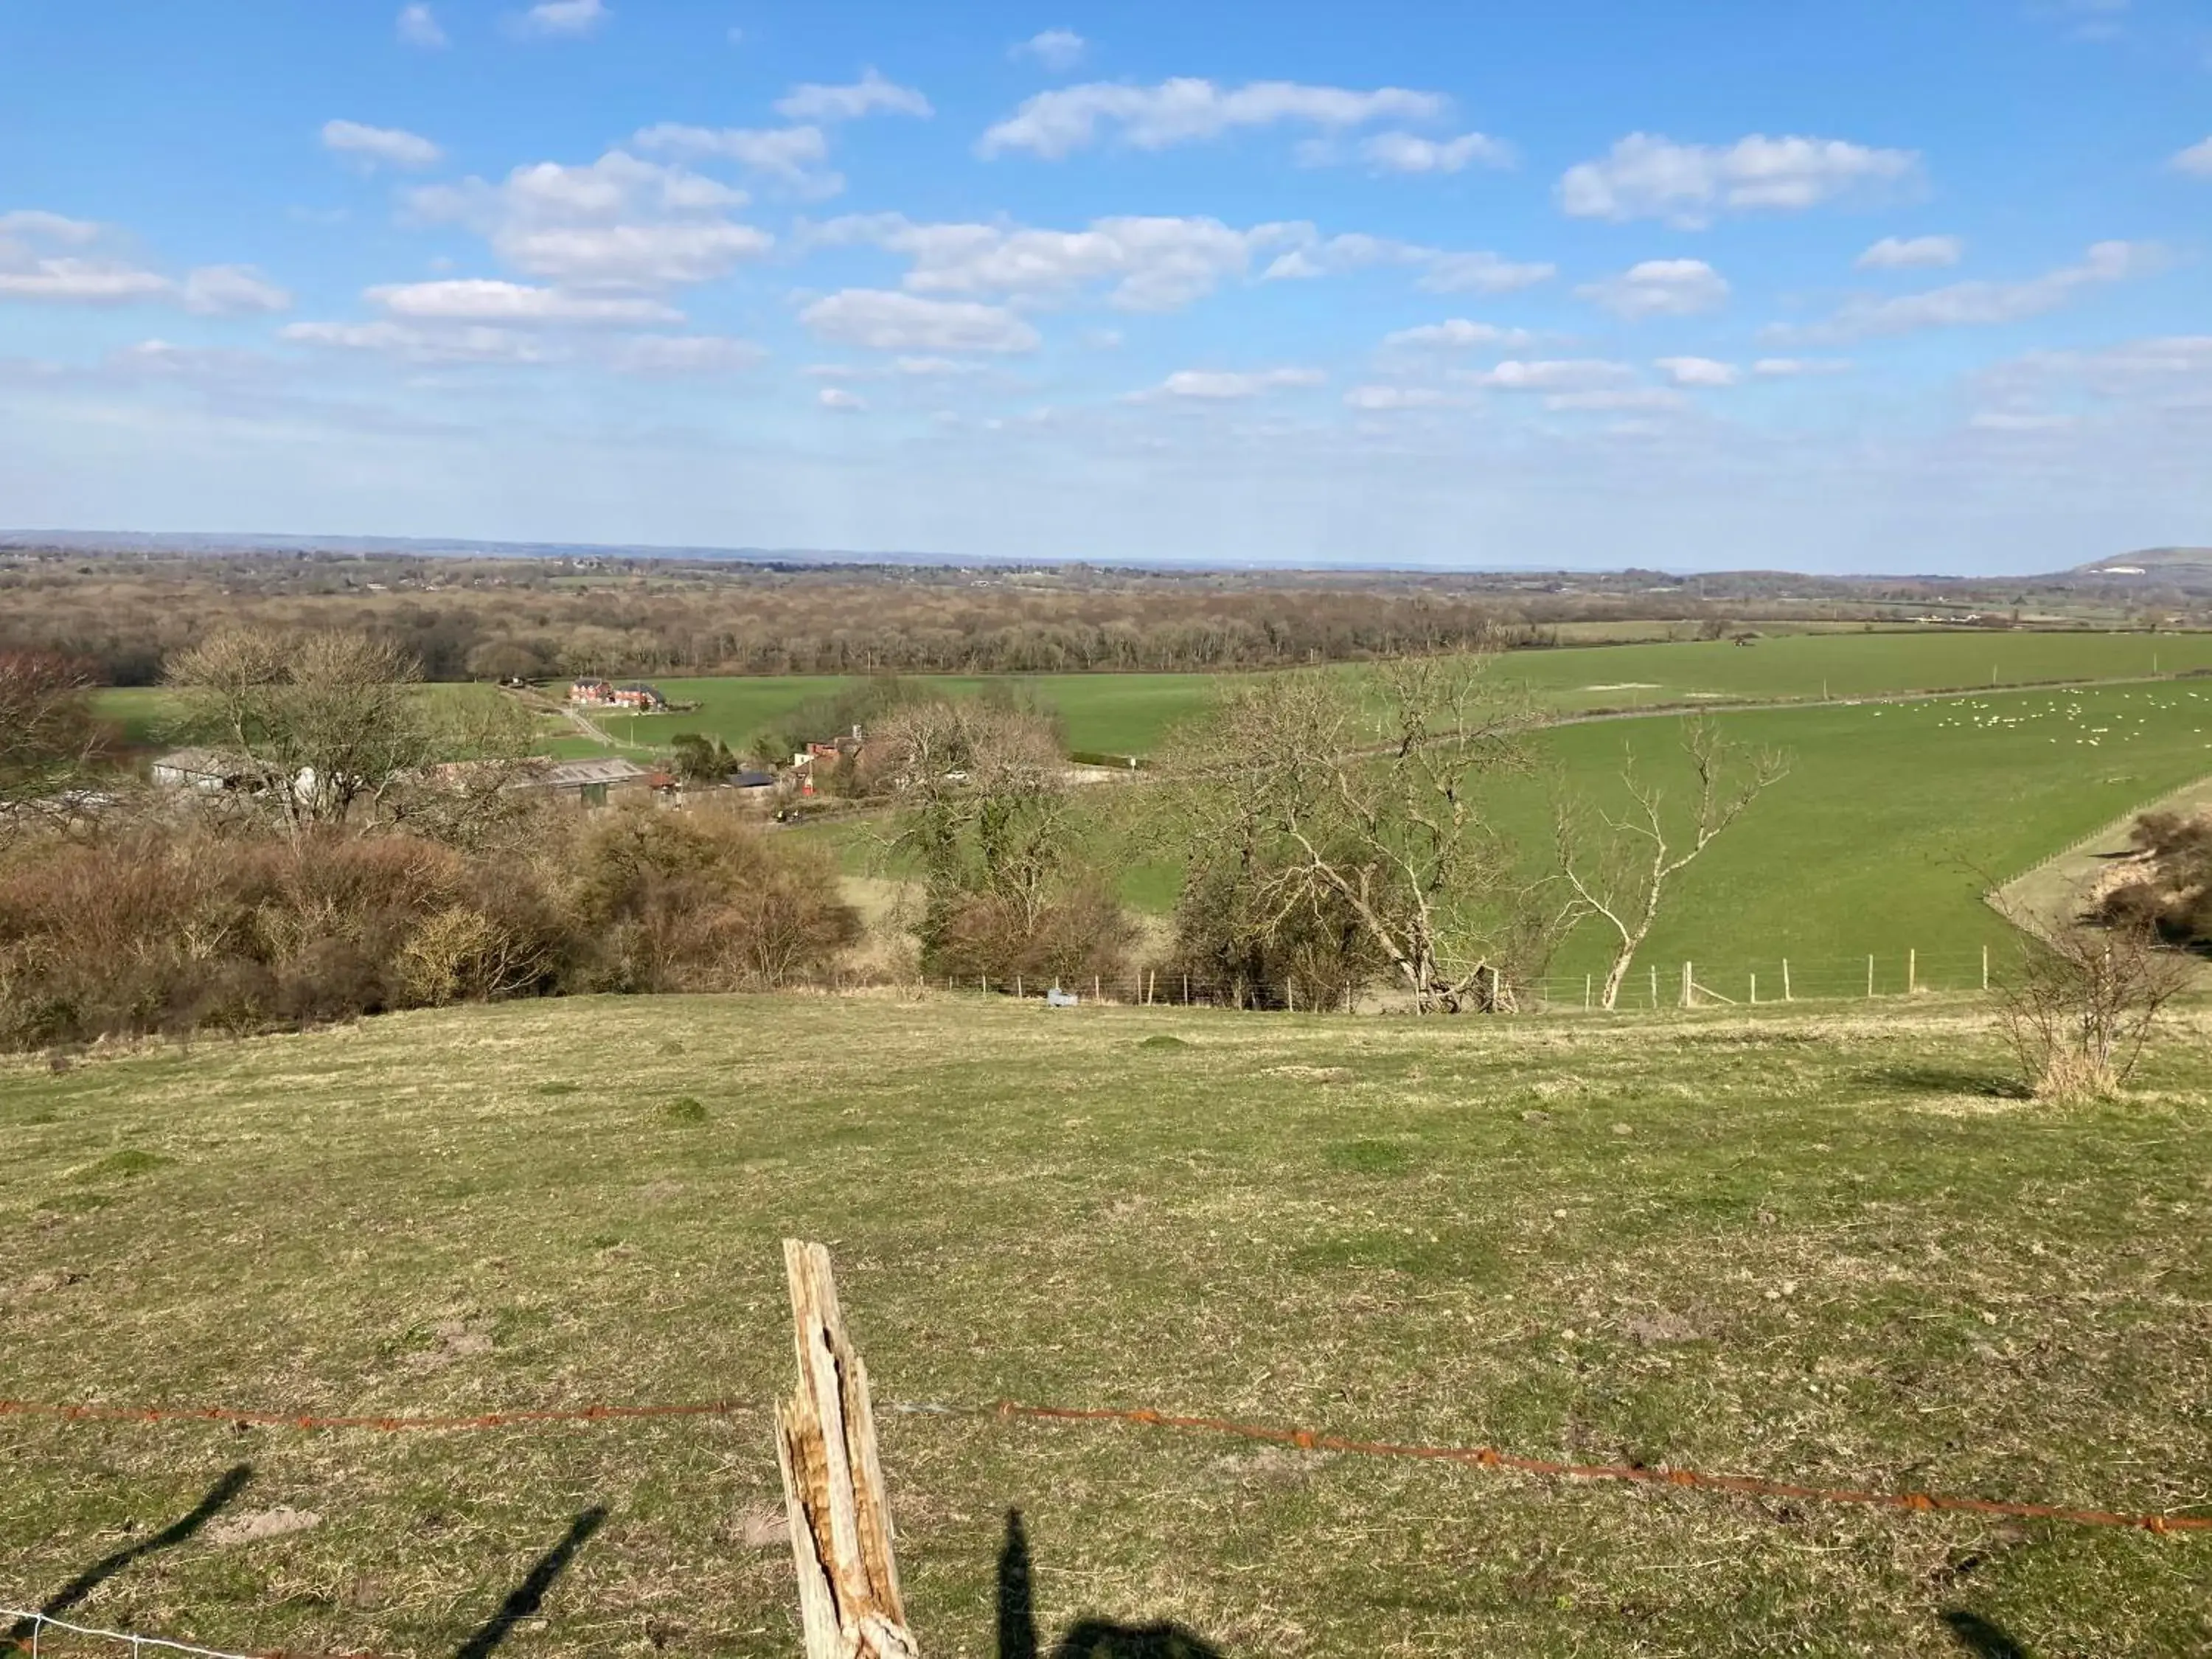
x: 600, y: 694
x: 202, y: 769
x: 590, y: 782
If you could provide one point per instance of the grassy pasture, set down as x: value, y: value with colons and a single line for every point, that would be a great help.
x: 1825, y: 1251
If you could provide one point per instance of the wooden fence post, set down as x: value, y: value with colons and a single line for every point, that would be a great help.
x: 849, y: 1604
x: 1870, y: 978
x: 1786, y: 979
x: 1912, y: 972
x: 1985, y: 967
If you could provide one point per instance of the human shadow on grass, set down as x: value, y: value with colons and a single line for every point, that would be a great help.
x: 1979, y: 1637
x: 1088, y: 1639
x: 217, y: 1498
x: 526, y: 1598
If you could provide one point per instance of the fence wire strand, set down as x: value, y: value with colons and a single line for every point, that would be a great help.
x: 42, y: 1622
x: 1302, y: 1439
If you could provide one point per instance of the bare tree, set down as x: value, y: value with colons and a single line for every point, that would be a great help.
x: 2085, y: 1000
x: 319, y: 720
x: 1624, y: 880
x: 1372, y: 797
x: 47, y: 732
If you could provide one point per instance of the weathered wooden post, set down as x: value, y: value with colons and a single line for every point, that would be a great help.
x: 849, y: 1605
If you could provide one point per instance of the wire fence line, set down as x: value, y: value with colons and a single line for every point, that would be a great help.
x: 34, y: 1626
x: 1650, y: 985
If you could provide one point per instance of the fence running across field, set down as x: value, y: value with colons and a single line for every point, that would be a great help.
x: 1650, y: 986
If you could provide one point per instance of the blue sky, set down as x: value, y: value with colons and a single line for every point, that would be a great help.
x: 1882, y: 287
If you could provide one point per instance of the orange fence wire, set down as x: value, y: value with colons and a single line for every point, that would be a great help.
x: 1486, y: 1457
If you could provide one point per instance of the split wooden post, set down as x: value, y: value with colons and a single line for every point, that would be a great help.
x: 1870, y: 978
x: 1912, y: 972
x: 849, y: 1604
x: 1985, y: 967
x: 1785, y: 980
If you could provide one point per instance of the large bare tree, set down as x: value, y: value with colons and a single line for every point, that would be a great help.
x: 47, y: 731
x: 320, y: 720
x: 1372, y: 796
x: 1621, y: 872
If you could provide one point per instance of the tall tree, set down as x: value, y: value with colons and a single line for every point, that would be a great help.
x: 47, y: 731
x: 1621, y: 871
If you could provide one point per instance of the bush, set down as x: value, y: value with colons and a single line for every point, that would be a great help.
x: 172, y: 926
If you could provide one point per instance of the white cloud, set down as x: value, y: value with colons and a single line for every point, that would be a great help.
x: 210, y: 291
x: 1058, y: 49
x: 48, y: 227
x: 1783, y: 369
x: 883, y: 321
x: 1482, y: 273
x: 418, y: 27
x: 158, y: 360
x: 473, y: 300
x: 1649, y: 177
x: 1699, y: 371
x: 1380, y: 397
x: 1994, y: 420
x: 684, y: 353
x: 413, y: 344
x: 793, y: 155
x: 562, y: 17
x: 1557, y: 375
x: 1406, y: 152
x: 1983, y: 303
x: 229, y: 290
x: 618, y: 223
x: 390, y: 145
x: 1459, y: 333
x: 2196, y: 161
x: 872, y: 92
x: 84, y: 282
x: 1911, y: 253
x: 1625, y: 399
x: 1225, y: 385
x: 1659, y: 288
x: 1052, y: 125
x: 836, y: 397
x: 1316, y: 256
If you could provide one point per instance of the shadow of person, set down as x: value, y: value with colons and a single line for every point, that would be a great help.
x: 526, y: 1598
x: 1980, y: 1637
x: 218, y: 1497
x: 1088, y: 1639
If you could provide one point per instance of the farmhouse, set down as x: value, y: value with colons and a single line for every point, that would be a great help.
x: 599, y: 694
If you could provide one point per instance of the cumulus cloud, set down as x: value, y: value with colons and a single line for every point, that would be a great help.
x: 791, y: 155
x: 71, y: 279
x: 869, y: 95
x: 1186, y: 110
x: 418, y: 27
x: 1229, y: 386
x: 619, y: 221
x: 1659, y: 288
x: 1698, y: 371
x: 1558, y: 376
x: 1623, y: 400
x: 1376, y: 399
x: 1911, y: 253
x: 392, y: 146
x: 1459, y: 333
x: 1057, y: 50
x: 1409, y: 152
x: 684, y: 354
x: 1646, y: 176
x: 884, y: 320
x: 1985, y: 303
x: 571, y: 18
x: 2196, y: 161
x: 414, y: 344
x: 845, y: 403
x: 511, y: 304
x: 1482, y: 273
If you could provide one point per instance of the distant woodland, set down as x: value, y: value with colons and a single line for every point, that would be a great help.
x: 119, y: 616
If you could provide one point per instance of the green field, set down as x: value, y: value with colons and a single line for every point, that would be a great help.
x: 1823, y: 1252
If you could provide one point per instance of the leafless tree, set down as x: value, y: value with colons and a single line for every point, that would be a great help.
x: 48, y: 735
x: 319, y: 720
x: 2084, y: 1001
x: 1374, y: 795
x: 1623, y: 878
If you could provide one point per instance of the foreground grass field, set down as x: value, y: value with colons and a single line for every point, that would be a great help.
x: 1830, y: 1252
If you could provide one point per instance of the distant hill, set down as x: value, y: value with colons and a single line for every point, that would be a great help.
x: 2186, y: 568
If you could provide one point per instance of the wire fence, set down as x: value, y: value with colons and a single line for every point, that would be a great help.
x: 48, y: 1638
x: 1649, y: 986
